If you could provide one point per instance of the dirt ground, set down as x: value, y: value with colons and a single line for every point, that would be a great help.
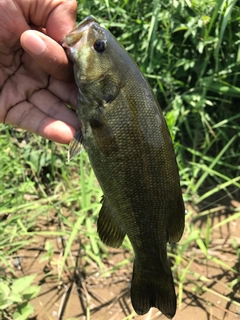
x: 82, y: 292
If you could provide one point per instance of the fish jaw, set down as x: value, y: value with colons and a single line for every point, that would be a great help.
x: 75, y: 44
x: 79, y: 46
x: 76, y: 33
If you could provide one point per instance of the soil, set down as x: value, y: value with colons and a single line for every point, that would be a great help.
x: 83, y: 290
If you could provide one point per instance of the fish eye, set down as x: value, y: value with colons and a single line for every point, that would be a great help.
x: 99, y: 45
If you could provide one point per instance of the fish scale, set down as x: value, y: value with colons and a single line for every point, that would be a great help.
x: 131, y: 152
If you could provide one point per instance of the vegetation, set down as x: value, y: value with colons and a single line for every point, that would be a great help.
x: 190, y: 53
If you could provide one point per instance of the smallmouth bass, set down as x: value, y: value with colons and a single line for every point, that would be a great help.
x: 130, y: 149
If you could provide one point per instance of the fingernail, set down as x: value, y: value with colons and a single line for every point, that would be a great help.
x: 33, y: 43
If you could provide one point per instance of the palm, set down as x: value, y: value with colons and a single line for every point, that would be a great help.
x: 31, y: 96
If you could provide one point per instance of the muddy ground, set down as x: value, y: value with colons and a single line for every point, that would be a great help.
x: 83, y: 291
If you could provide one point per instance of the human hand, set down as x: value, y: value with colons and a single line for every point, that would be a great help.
x: 36, y: 78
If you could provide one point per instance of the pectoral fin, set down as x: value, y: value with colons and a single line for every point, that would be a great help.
x: 108, y: 227
x: 75, y: 145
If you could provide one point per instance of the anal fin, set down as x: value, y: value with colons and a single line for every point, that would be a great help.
x: 108, y: 227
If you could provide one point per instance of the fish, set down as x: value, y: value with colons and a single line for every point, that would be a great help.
x: 130, y: 149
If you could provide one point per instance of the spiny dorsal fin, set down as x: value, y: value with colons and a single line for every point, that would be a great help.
x: 175, y: 230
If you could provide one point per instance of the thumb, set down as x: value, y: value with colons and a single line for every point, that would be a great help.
x: 48, y: 54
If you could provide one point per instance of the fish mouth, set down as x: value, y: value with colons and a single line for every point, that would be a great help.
x: 88, y: 20
x: 76, y: 33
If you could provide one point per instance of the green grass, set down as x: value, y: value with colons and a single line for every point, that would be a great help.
x: 190, y: 53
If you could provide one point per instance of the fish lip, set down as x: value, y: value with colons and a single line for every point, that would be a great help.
x: 76, y: 34
x: 86, y: 21
x: 79, y: 28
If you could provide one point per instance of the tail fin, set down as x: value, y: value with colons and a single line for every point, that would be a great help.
x: 148, y: 290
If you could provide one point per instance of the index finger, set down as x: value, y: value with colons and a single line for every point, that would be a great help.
x: 57, y: 16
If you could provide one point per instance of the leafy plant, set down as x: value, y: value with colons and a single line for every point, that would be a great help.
x: 190, y: 53
x: 15, y: 296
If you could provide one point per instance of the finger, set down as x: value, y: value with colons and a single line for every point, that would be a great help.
x: 27, y: 79
x: 52, y: 106
x: 61, y: 20
x: 35, y: 120
x: 65, y: 91
x: 48, y: 54
x: 12, y: 24
x: 57, y: 16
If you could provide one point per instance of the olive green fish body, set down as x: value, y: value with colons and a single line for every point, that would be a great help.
x: 131, y: 152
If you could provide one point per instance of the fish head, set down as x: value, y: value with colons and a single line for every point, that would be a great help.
x: 95, y: 54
